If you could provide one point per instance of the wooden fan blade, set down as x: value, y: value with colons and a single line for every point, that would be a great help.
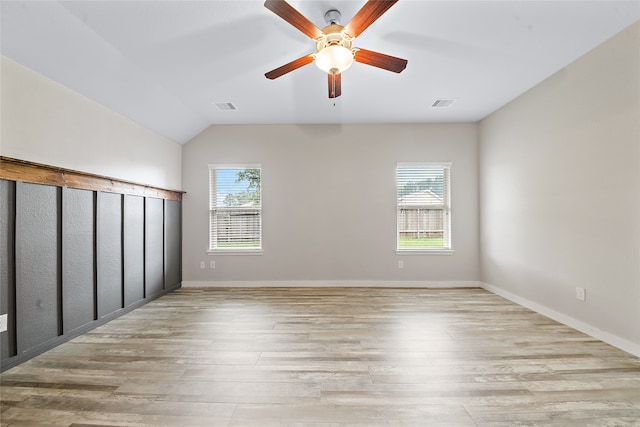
x: 367, y: 15
x: 380, y: 60
x: 287, y: 68
x: 335, y: 85
x: 285, y: 11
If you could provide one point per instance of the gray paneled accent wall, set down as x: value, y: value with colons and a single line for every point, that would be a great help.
x: 109, y: 250
x: 72, y: 259
x: 154, y: 244
x: 7, y: 266
x: 134, y: 249
x: 172, y: 241
x: 78, y: 258
x: 37, y: 264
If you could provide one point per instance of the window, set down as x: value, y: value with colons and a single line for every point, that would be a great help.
x: 235, y: 208
x: 423, y: 207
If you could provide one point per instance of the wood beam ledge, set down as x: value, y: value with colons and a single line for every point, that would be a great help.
x: 38, y: 173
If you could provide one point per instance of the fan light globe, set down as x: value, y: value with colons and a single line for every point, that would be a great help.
x: 334, y: 58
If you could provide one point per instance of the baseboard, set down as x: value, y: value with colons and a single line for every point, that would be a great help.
x: 590, y: 330
x: 330, y: 284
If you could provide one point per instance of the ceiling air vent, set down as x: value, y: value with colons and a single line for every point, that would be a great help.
x: 225, y: 106
x: 441, y: 103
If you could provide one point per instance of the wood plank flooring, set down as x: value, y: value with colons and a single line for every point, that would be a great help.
x: 327, y: 357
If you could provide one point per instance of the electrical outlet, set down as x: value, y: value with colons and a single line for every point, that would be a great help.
x: 212, y: 264
x: 3, y: 323
x: 201, y: 264
x: 581, y: 293
x: 400, y: 264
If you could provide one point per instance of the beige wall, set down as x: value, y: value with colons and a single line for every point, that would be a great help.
x: 43, y: 121
x: 329, y: 203
x: 560, y: 194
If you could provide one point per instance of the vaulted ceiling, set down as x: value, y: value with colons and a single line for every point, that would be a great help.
x: 164, y: 64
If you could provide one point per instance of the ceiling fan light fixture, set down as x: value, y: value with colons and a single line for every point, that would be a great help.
x: 334, y: 52
x: 334, y: 59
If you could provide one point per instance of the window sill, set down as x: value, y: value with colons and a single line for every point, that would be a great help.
x: 234, y: 252
x: 425, y: 251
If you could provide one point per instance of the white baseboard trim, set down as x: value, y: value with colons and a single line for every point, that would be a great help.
x: 590, y: 330
x: 330, y: 284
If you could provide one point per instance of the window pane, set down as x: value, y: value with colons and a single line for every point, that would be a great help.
x: 423, y: 207
x: 235, y: 208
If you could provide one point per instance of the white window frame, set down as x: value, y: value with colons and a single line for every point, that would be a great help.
x: 447, y: 248
x: 213, y: 208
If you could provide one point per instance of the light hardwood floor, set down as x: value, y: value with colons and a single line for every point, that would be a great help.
x: 327, y: 357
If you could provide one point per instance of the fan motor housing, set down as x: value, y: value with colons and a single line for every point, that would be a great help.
x: 333, y: 35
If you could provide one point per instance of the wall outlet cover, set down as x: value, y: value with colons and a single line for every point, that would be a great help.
x: 3, y: 322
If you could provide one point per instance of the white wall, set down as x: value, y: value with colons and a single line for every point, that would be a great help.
x: 560, y: 194
x: 329, y: 204
x: 45, y: 122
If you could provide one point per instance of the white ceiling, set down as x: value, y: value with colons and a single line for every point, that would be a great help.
x: 164, y: 63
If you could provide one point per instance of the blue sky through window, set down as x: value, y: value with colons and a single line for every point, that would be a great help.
x: 226, y: 184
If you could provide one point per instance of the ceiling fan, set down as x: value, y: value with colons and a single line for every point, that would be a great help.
x: 334, y: 53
